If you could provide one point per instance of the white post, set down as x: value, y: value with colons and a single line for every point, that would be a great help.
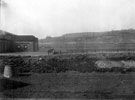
x: 0, y: 14
x: 7, y: 71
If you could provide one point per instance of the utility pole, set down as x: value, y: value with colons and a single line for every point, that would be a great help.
x: 2, y: 19
x: 1, y: 14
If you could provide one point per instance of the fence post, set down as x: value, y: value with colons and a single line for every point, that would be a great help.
x: 7, y: 71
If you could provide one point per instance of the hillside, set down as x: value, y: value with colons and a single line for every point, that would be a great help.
x: 87, y: 41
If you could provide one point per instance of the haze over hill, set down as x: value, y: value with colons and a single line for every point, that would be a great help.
x: 92, y: 41
x: 116, y: 36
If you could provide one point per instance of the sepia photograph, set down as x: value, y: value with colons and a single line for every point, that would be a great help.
x: 67, y: 49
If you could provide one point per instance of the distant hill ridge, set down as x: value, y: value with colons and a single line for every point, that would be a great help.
x: 124, y: 36
x: 117, y: 40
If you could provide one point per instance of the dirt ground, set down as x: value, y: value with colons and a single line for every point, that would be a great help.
x: 45, y: 53
x: 70, y: 85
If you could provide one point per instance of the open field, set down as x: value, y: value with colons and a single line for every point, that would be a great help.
x: 72, y: 85
x: 70, y: 76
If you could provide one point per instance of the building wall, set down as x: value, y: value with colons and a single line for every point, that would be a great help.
x: 30, y: 42
x: 10, y: 42
x: 24, y: 46
x: 7, y: 43
x: 35, y: 44
x: 6, y: 46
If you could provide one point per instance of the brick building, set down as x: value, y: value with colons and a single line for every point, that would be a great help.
x: 17, y: 43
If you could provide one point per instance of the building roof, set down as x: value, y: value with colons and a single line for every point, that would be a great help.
x: 10, y: 36
x: 6, y: 35
x: 26, y: 38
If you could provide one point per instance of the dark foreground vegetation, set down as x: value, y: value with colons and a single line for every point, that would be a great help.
x: 62, y: 63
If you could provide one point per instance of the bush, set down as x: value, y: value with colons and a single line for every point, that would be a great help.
x: 56, y: 64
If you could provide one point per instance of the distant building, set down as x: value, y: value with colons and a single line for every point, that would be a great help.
x: 17, y: 43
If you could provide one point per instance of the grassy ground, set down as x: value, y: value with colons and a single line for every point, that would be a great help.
x: 70, y: 84
x: 73, y: 85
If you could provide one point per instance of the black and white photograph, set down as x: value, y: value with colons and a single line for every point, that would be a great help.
x: 67, y: 49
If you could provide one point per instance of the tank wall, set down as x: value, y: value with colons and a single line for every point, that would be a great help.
x: 6, y: 45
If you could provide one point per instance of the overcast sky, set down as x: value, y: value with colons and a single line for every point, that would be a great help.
x: 56, y: 17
